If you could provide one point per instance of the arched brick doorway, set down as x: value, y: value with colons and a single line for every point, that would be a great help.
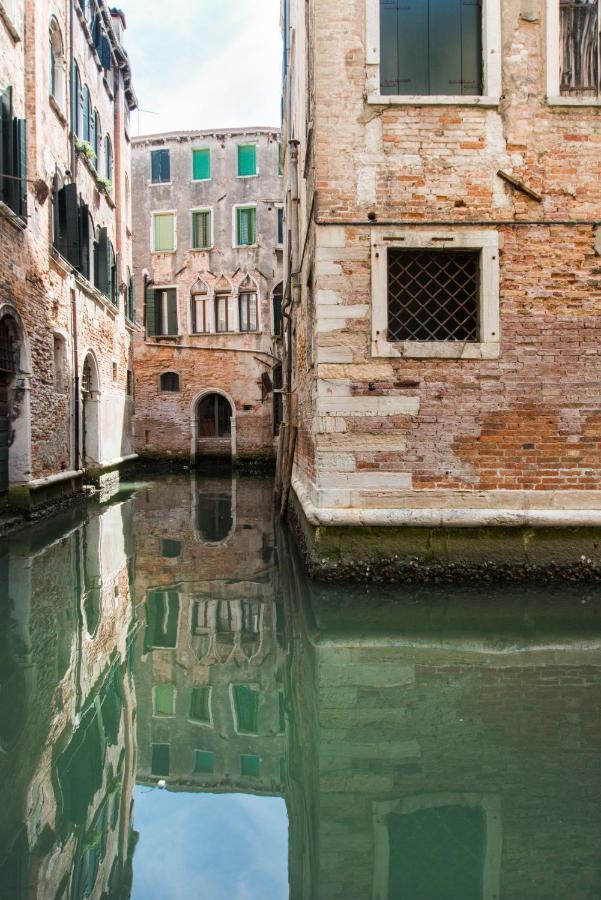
x: 214, y: 426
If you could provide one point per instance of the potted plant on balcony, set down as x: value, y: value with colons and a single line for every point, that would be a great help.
x: 85, y: 149
x: 104, y: 185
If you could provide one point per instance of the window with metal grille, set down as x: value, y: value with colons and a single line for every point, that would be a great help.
x: 433, y: 295
x: 7, y: 346
x: 170, y: 382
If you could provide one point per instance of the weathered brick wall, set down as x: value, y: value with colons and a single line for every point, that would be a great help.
x: 233, y: 363
x: 526, y: 422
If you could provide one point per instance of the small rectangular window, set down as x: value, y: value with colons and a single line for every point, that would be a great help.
x: 246, y: 707
x: 164, y: 699
x: 247, y: 160
x: 579, y: 48
x: 160, y: 164
x: 201, y: 229
x: 204, y: 762
x: 433, y: 295
x: 160, y: 762
x: 248, y: 312
x: 200, y: 704
x: 280, y: 226
x: 201, y: 164
x: 246, y: 226
x: 250, y: 765
x: 164, y: 232
x: 170, y: 549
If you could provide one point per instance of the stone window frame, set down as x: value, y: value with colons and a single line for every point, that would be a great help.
x: 491, y: 806
x: 199, y: 722
x: 198, y: 209
x: 554, y: 96
x: 487, y: 242
x: 491, y: 64
x: 163, y: 212
x: 252, y: 204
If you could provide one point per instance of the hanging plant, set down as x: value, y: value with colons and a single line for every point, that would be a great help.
x: 104, y: 184
x: 85, y: 148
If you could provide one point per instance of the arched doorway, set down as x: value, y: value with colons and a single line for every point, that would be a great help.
x: 214, y: 422
x: 90, y: 401
x: 15, y: 443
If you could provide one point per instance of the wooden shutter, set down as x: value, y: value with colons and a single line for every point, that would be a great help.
x: 17, y: 188
x: 171, y: 312
x: 75, y: 91
x: 69, y: 244
x: 85, y: 111
x: 116, y: 284
x: 201, y: 160
x: 471, y: 47
x: 579, y: 47
x: 104, y: 262
x: 6, y: 155
x: 151, y: 318
x: 412, y: 46
x: 252, y: 226
x: 155, y: 166
x: 165, y: 161
x: 247, y: 159
x: 106, y: 59
x: 201, y: 230
x: 84, y: 240
x: 164, y: 232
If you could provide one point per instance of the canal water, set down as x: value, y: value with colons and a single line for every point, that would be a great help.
x: 184, y: 716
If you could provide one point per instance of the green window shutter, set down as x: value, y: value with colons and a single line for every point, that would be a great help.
x: 280, y: 159
x: 201, y: 230
x: 247, y: 159
x: 69, y: 244
x: 151, y: 323
x: 75, y: 92
x: 471, y: 47
x: 250, y: 765
x: 412, y: 47
x: 20, y: 166
x: 389, y: 50
x: 171, y: 312
x: 164, y: 232
x: 200, y: 704
x: 6, y: 118
x: 246, y: 226
x: 160, y: 762
x: 116, y: 281
x: 164, y: 700
x: 104, y: 262
x: 201, y: 164
x: 84, y: 241
x: 204, y: 762
x: 246, y: 704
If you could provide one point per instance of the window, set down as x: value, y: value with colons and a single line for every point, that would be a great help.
x: 246, y: 708
x: 76, y: 122
x: 200, y: 704
x: 115, y: 371
x: 57, y: 64
x: 162, y: 620
x: 214, y: 515
x: 277, y: 308
x: 247, y: 160
x: 87, y: 113
x: 579, y: 70
x: 204, y: 762
x: 170, y: 549
x: 160, y: 166
x: 163, y: 232
x: 280, y: 159
x: 163, y: 700
x: 200, y: 309
x: 436, y: 295
x: 248, y: 312
x: 278, y: 398
x: 429, y: 47
x: 108, y: 159
x: 202, y: 237
x: 246, y: 226
x: 97, y: 141
x: 250, y: 765
x: 201, y: 164
x: 280, y: 213
x: 130, y: 300
x: 13, y: 156
x: 161, y: 312
x: 170, y: 382
x: 222, y: 312
x: 214, y: 418
x: 160, y: 760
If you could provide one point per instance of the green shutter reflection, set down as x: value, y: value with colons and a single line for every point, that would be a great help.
x: 250, y: 765
x: 246, y: 704
x: 204, y: 761
x: 164, y: 700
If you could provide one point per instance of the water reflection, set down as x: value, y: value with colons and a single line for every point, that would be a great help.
x: 174, y: 696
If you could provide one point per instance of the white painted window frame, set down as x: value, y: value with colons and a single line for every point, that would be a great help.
x: 491, y: 807
x: 487, y: 242
x: 235, y: 208
x: 209, y: 298
x: 164, y: 288
x: 163, y: 212
x: 200, y: 209
x: 554, y: 96
x: 491, y: 64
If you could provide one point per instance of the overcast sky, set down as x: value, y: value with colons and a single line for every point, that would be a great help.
x: 204, y: 63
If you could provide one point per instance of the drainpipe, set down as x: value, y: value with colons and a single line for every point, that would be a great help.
x: 71, y: 97
x: 76, y: 386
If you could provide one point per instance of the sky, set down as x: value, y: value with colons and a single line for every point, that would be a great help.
x: 202, y: 64
x: 209, y: 846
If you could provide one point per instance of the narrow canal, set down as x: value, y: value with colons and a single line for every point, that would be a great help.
x: 183, y: 716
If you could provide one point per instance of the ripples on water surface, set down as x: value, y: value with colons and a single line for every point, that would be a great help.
x: 183, y: 716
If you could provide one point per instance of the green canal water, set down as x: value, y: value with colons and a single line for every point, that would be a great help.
x: 184, y: 716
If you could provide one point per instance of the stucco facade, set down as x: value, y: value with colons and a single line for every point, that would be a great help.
x: 65, y: 292
x: 208, y: 224
x: 398, y: 417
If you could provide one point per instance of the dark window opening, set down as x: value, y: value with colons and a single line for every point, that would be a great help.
x: 8, y: 345
x: 170, y: 382
x: 246, y: 706
x: 214, y: 517
x: 214, y: 417
x: 170, y: 549
x: 161, y: 312
x: 250, y: 765
x: 431, y: 47
x: 160, y: 763
x: 278, y: 296
x: 160, y: 166
x: 433, y: 295
x: 278, y: 397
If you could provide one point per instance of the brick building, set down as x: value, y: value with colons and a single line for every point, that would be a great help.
x: 208, y: 224
x: 66, y: 291
x: 445, y: 279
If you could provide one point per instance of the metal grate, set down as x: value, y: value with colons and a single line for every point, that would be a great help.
x: 433, y: 295
x: 7, y: 347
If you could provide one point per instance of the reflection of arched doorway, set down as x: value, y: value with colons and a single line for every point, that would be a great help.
x: 90, y: 399
x: 214, y: 426
x: 215, y: 518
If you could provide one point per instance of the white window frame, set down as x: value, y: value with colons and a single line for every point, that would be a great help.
x: 209, y: 298
x: 491, y: 64
x: 163, y: 212
x: 235, y: 208
x: 487, y: 242
x: 278, y: 207
x: 491, y: 807
x: 199, y: 209
x: 164, y: 288
x: 202, y: 180
x: 554, y: 96
x: 240, y: 293
x: 254, y: 144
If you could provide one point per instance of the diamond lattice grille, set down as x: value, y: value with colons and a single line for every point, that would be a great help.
x: 433, y: 295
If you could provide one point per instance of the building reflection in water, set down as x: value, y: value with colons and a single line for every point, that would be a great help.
x: 433, y: 743
x: 67, y: 760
